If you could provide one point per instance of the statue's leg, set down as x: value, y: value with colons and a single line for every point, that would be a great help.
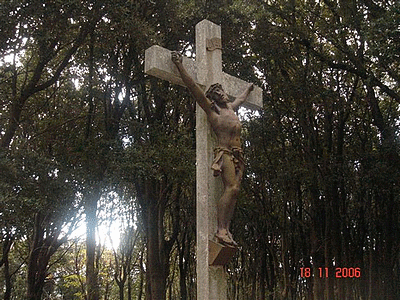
x: 227, y: 202
x: 239, y: 170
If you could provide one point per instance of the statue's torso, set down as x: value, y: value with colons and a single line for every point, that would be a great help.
x: 227, y: 127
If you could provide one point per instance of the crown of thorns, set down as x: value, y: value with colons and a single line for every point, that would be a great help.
x: 211, y: 90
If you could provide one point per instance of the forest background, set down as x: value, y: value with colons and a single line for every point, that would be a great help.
x: 87, y: 137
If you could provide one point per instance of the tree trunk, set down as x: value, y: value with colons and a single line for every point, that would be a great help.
x: 93, y: 196
x: 183, y: 262
x: 129, y: 288
x: 8, y: 241
x: 263, y: 273
x: 92, y: 287
x: 41, y: 251
x: 317, y: 238
x: 140, y: 294
x: 7, y: 276
x: 154, y: 257
x: 154, y: 194
x: 121, y: 286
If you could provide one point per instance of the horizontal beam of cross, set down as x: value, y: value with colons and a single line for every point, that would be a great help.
x: 158, y: 63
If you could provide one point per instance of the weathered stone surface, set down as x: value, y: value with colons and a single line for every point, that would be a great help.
x: 211, y: 281
x: 235, y: 86
x: 158, y: 63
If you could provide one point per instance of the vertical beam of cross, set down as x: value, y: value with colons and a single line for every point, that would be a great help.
x: 207, y: 70
x: 211, y: 280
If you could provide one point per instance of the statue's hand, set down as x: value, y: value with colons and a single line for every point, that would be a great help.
x: 176, y: 57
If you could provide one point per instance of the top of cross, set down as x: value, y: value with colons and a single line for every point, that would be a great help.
x: 206, y: 70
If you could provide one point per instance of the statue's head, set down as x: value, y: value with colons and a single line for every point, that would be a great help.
x: 216, y: 93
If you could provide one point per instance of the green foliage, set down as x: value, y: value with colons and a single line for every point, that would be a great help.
x: 318, y: 152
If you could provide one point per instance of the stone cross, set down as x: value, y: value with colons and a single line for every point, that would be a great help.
x: 206, y: 70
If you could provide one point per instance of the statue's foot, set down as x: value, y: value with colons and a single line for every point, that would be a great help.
x: 225, y: 238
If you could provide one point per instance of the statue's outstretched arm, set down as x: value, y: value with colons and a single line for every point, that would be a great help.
x: 194, y: 89
x: 243, y: 97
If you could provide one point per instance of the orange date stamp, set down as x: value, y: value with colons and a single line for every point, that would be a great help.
x: 326, y: 273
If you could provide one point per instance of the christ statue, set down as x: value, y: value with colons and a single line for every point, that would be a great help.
x: 228, y: 155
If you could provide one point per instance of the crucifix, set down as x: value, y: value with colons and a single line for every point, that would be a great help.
x: 206, y: 71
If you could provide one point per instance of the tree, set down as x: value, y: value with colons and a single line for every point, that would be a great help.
x: 319, y: 124
x: 43, y: 50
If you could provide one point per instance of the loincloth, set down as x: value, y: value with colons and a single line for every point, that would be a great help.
x: 236, y: 155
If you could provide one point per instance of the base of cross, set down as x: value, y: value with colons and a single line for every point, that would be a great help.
x: 219, y: 254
